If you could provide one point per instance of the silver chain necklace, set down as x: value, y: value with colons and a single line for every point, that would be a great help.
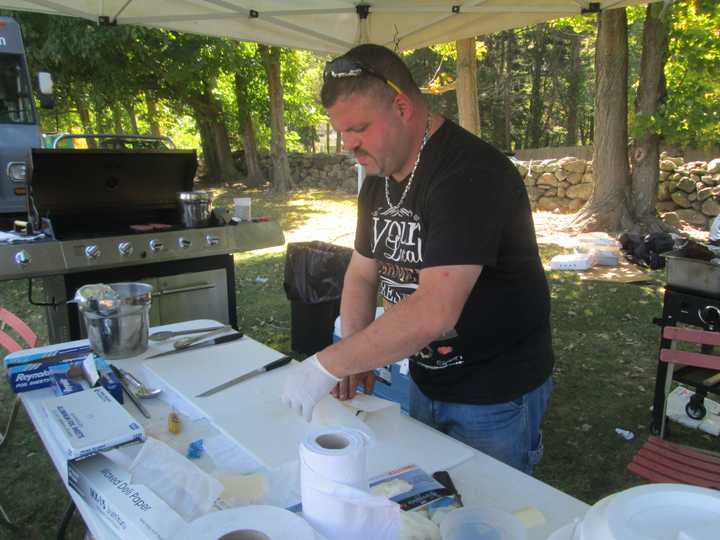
x: 412, y: 174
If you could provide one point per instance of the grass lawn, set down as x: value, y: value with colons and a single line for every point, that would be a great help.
x: 605, y: 346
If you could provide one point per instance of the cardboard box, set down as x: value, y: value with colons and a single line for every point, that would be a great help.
x: 38, y: 374
x: 131, y: 510
x: 90, y: 421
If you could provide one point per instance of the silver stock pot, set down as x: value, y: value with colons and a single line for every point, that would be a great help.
x: 116, y: 317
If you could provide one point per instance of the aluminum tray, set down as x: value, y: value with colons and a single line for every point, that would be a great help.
x: 692, y: 274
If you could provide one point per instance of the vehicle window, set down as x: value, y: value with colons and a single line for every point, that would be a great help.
x: 15, y: 96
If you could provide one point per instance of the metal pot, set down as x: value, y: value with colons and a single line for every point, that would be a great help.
x: 116, y: 317
x: 194, y: 208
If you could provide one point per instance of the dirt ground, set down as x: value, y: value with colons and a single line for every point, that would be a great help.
x: 552, y: 228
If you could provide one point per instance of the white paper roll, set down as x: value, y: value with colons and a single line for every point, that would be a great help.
x: 249, y: 523
x: 335, y: 491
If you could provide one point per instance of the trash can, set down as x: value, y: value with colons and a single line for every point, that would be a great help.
x: 314, y: 273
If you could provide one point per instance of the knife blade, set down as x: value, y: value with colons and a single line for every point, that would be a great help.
x: 208, y: 343
x: 232, y: 382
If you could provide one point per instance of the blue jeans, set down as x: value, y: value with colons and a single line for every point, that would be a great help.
x: 509, y: 432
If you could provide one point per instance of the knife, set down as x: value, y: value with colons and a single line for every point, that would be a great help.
x: 209, y: 342
x: 262, y: 369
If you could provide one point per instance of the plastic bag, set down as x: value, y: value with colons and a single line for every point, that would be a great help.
x: 314, y: 271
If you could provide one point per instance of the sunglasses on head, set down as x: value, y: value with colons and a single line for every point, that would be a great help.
x: 347, y: 66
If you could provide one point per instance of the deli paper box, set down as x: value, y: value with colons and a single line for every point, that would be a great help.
x: 133, y: 511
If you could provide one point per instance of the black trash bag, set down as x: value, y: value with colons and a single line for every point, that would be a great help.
x: 314, y: 271
x: 314, y: 275
x: 646, y: 250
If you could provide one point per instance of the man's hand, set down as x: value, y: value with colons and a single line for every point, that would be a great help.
x: 347, y: 387
x: 306, y: 384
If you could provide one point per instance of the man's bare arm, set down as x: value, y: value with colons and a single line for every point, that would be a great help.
x: 433, y: 309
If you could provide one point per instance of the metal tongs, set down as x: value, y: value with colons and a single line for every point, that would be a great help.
x: 187, y: 342
x: 164, y: 335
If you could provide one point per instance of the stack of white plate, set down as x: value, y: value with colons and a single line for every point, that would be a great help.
x: 652, y: 512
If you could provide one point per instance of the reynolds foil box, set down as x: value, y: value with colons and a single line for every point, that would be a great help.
x: 131, y: 510
x: 38, y: 374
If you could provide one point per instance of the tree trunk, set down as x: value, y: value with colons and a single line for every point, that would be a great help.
x: 85, y: 121
x: 573, y: 94
x: 645, y: 153
x: 466, y: 88
x: 327, y: 137
x: 508, y: 88
x: 536, y: 105
x: 210, y: 110
x: 130, y: 109
x: 207, y: 141
x: 247, y: 135
x: 338, y: 142
x: 117, y: 119
x: 608, y: 208
x: 281, y: 180
x: 99, y: 116
x: 152, y: 114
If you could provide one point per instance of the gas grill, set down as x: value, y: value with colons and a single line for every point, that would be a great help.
x: 692, y: 298
x: 113, y: 216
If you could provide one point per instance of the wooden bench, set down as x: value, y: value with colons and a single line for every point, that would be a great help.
x: 661, y: 461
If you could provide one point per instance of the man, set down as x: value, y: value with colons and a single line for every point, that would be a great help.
x: 445, y: 233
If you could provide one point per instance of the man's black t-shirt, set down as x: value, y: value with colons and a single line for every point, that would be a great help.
x: 467, y: 206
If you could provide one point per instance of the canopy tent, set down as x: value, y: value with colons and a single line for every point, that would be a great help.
x: 331, y: 26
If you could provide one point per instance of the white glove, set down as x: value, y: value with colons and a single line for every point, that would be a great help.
x: 306, y: 384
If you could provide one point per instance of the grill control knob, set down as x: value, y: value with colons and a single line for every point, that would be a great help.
x: 125, y: 248
x: 184, y: 243
x: 23, y: 258
x: 92, y: 252
x: 212, y: 240
x: 156, y: 246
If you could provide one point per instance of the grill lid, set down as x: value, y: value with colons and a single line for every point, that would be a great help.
x: 96, y: 191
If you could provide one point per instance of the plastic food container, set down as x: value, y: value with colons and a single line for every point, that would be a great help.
x: 470, y: 523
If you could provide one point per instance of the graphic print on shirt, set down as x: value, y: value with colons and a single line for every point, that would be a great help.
x: 397, y: 245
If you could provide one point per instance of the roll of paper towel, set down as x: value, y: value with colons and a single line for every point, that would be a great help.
x: 249, y: 523
x: 335, y: 491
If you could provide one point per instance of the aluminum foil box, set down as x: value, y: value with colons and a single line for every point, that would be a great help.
x: 38, y: 374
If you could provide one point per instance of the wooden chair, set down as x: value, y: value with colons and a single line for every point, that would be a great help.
x: 662, y: 461
x: 9, y: 320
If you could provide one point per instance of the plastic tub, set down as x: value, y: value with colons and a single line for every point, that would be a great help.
x: 470, y: 523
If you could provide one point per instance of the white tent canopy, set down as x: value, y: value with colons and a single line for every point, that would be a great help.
x: 331, y: 26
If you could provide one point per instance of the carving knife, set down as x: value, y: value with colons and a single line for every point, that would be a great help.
x: 208, y: 343
x: 232, y: 382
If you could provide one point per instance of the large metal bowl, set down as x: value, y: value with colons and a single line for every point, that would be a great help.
x: 121, y: 331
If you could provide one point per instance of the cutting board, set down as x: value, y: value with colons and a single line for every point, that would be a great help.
x: 252, y: 414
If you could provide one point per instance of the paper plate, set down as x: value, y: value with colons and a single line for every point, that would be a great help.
x: 654, y: 512
x: 249, y: 523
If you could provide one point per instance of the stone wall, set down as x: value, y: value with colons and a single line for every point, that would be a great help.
x: 686, y: 191
x: 320, y: 171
